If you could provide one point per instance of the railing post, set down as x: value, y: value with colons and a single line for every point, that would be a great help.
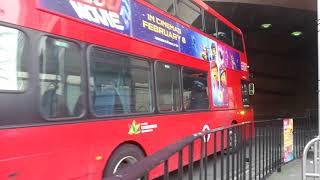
x: 250, y: 150
x: 280, y: 149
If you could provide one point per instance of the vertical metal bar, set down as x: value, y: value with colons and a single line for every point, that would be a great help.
x: 233, y: 144
x: 206, y: 159
x: 315, y: 156
x: 238, y: 151
x: 263, y: 150
x: 270, y: 149
x: 222, y: 153
x: 300, y: 149
x: 273, y: 149
x: 280, y: 148
x: 180, y: 168
x: 250, y: 150
x: 228, y: 154
x: 255, y: 151
x: 215, y: 155
x: 201, y: 158
x: 190, y: 166
x: 260, y: 144
x: 166, y: 170
x: 244, y: 149
x: 318, y: 20
x: 267, y: 149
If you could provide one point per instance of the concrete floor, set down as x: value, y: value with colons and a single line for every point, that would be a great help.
x: 290, y: 171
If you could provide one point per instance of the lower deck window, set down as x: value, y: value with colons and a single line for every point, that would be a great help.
x: 60, y: 78
x: 119, y: 84
x: 168, y: 87
x: 195, y: 90
x: 13, y: 73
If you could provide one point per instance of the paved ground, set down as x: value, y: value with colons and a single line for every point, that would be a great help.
x: 291, y: 171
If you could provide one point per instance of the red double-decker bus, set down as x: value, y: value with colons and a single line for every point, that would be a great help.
x: 90, y: 86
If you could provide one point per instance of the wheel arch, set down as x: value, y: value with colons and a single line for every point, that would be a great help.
x: 121, y: 144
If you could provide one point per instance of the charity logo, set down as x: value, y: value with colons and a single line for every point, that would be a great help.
x: 134, y: 128
x: 137, y: 128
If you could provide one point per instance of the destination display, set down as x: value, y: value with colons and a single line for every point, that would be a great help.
x: 136, y: 20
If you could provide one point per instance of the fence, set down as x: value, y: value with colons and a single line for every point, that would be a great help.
x: 251, y: 150
x: 313, y: 170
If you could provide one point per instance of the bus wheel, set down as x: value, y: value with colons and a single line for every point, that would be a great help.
x: 122, y: 157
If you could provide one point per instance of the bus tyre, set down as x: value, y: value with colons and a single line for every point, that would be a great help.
x: 124, y: 156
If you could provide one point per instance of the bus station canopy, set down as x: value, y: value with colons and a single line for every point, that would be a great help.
x: 296, y: 4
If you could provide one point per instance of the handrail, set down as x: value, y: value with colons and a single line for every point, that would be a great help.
x: 256, y: 145
x: 314, y: 142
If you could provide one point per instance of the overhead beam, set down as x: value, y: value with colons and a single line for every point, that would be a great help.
x: 296, y: 4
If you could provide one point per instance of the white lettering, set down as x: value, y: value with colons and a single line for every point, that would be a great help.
x: 116, y: 20
x: 99, y: 3
x: 97, y: 15
x: 81, y: 10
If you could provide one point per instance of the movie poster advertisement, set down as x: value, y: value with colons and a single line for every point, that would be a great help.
x: 133, y: 19
x: 218, y: 67
x: 288, y: 140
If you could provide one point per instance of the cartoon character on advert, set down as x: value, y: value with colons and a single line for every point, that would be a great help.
x: 233, y: 63
x: 204, y: 53
x: 213, y: 52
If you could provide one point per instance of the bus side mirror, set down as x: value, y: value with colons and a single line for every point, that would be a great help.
x: 251, y: 89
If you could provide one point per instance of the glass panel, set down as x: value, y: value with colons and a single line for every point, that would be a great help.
x: 13, y: 73
x: 168, y: 88
x: 189, y: 13
x: 60, y: 78
x: 224, y: 33
x: 119, y: 84
x: 165, y: 5
x: 245, y: 93
x: 237, y: 40
x: 210, y: 24
x: 195, y: 90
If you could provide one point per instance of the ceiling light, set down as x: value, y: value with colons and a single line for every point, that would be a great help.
x: 296, y: 33
x: 265, y: 26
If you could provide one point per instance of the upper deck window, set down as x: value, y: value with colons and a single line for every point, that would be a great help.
x: 13, y: 74
x: 165, y: 5
x: 190, y: 13
x: 237, y: 41
x: 210, y: 22
x: 224, y: 33
x: 60, y: 78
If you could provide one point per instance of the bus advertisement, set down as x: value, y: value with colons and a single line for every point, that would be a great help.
x: 88, y: 87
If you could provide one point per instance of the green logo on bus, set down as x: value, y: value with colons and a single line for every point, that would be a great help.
x: 134, y: 128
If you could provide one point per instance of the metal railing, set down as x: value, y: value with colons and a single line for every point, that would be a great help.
x: 251, y: 150
x: 311, y: 149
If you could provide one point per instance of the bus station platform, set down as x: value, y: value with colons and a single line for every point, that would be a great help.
x: 290, y: 171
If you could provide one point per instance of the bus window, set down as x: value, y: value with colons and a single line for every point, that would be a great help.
x: 166, y: 5
x: 190, y: 13
x: 224, y: 33
x: 119, y: 84
x: 195, y: 90
x: 60, y: 78
x: 237, y: 41
x: 13, y: 73
x: 245, y: 93
x: 168, y: 87
x: 210, y: 22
